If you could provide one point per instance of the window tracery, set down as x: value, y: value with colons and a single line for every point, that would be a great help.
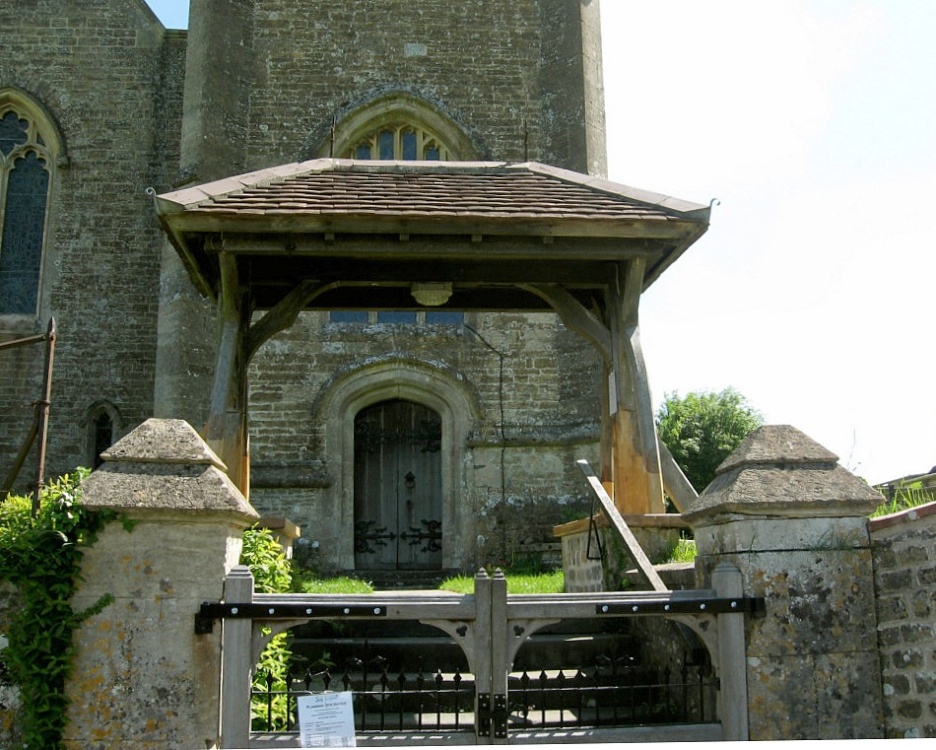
x: 26, y: 163
x: 401, y: 142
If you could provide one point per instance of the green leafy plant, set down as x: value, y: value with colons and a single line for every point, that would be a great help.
x: 273, y: 574
x: 683, y: 552
x: 41, y: 556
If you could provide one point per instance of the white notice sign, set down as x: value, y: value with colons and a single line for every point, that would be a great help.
x: 326, y: 720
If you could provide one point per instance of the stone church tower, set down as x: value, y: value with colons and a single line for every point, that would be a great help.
x: 423, y: 436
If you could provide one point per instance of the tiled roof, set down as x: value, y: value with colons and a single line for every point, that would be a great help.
x: 413, y: 190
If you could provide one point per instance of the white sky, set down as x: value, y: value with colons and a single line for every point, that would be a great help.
x: 813, y: 122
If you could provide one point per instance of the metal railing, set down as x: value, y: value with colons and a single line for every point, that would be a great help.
x: 607, y: 695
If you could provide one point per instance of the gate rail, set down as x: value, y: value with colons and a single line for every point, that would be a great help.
x: 489, y: 626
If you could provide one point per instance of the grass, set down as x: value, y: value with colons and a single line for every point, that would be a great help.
x: 518, y: 582
x: 908, y: 497
x: 684, y: 551
x: 336, y: 585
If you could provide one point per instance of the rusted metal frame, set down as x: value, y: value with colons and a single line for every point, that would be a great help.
x: 40, y: 427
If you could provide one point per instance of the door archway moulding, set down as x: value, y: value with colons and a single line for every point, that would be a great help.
x: 441, y: 389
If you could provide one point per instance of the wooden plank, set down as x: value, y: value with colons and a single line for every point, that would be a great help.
x: 620, y: 526
x: 676, y: 484
x: 414, y: 224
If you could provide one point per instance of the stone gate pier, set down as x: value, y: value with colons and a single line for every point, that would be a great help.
x: 142, y: 678
x: 795, y: 523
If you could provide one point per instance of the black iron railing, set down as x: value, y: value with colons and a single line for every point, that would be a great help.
x: 610, y: 694
x: 383, y: 700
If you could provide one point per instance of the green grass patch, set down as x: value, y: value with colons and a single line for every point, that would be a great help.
x: 552, y: 582
x: 685, y: 551
x: 336, y: 585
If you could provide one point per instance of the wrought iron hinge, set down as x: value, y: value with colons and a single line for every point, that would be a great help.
x: 496, y: 714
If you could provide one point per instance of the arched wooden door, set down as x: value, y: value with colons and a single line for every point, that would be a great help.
x: 397, y: 487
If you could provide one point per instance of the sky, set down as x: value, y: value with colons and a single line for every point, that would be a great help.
x: 812, y: 123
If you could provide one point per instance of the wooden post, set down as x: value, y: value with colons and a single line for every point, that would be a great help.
x: 236, y: 663
x: 226, y: 430
x: 732, y: 661
x: 500, y: 666
x: 638, y: 485
x: 482, y: 654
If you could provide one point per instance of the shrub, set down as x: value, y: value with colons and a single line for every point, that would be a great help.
x: 273, y: 574
x: 41, y: 556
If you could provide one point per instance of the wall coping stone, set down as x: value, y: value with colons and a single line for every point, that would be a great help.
x: 163, y: 467
x: 902, y: 518
x: 779, y: 471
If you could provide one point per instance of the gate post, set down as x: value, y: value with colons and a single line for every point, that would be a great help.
x: 144, y: 676
x: 236, y: 662
x: 499, y: 664
x: 732, y: 665
x: 482, y: 658
x: 794, y: 523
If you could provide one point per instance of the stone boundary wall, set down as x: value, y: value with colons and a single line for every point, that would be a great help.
x: 903, y: 549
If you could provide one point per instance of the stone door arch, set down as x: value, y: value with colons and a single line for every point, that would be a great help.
x: 435, y: 389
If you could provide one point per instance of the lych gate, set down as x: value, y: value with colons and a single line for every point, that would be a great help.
x: 490, y: 627
x: 335, y: 234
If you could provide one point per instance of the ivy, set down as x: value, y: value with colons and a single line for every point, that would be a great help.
x: 41, y: 556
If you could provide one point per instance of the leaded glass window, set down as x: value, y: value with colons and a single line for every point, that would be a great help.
x: 24, y: 196
x: 400, y: 143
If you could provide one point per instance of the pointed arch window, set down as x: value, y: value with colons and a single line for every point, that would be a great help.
x: 103, y: 423
x: 399, y: 126
x: 401, y: 142
x: 26, y: 163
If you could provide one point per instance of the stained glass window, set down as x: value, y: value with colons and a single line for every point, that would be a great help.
x: 13, y: 132
x: 24, y: 195
x: 400, y: 317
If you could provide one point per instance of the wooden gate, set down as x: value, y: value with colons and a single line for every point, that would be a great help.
x: 397, y: 487
x: 489, y: 626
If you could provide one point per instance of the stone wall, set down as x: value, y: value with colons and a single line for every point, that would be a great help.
x: 904, y: 554
x: 256, y: 84
x: 522, y: 391
x: 102, y: 69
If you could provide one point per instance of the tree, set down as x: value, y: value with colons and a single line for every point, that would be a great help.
x: 702, y: 428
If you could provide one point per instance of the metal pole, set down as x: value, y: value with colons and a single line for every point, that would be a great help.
x: 42, y: 413
x: 40, y: 416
